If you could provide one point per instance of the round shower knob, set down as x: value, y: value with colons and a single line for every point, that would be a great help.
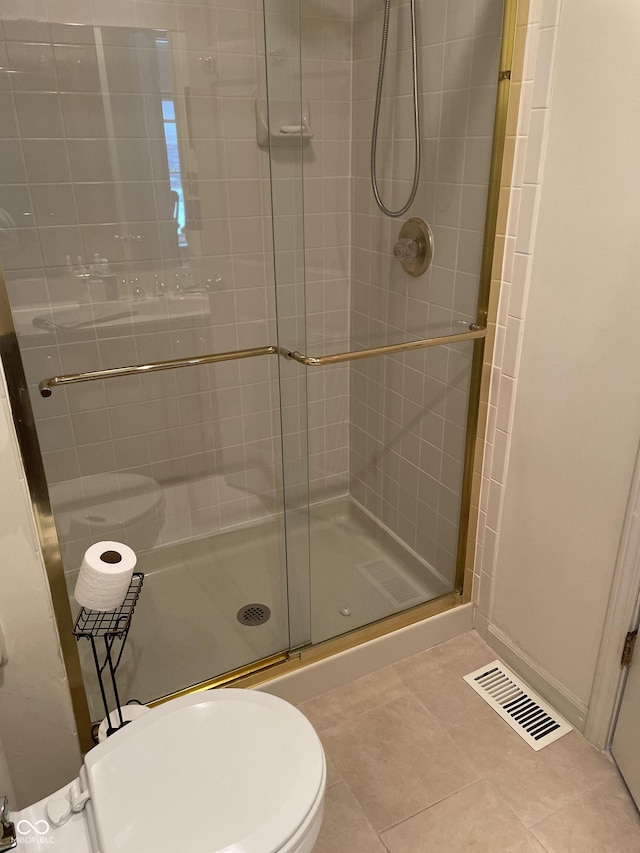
x: 414, y: 248
x: 406, y: 250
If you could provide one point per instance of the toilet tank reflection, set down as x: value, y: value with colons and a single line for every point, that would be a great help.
x: 107, y: 507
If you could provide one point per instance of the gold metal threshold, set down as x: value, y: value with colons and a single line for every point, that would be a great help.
x: 228, y: 679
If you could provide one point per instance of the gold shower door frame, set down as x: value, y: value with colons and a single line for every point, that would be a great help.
x: 511, y: 60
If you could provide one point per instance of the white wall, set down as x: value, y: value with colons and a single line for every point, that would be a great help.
x: 576, y: 421
x: 6, y: 786
x: 36, y: 720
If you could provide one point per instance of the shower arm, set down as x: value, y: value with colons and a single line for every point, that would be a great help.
x: 46, y: 386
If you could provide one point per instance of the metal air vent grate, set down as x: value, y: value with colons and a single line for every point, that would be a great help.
x: 400, y: 590
x: 535, y: 722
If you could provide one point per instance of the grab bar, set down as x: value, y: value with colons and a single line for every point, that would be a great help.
x: 47, y: 385
x: 339, y: 357
x: 112, y: 372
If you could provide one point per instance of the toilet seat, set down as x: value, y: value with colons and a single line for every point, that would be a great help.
x: 225, y: 771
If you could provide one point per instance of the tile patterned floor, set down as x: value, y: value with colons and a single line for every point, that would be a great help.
x: 418, y: 763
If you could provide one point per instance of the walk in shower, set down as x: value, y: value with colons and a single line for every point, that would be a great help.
x: 227, y: 367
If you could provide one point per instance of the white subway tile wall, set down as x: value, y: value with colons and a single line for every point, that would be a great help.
x: 409, y: 412
x: 85, y: 125
x: 327, y: 68
x: 94, y: 165
x: 535, y: 101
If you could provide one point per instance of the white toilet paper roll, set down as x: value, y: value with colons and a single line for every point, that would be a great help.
x: 105, y: 575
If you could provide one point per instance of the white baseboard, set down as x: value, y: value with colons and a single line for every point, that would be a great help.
x: 549, y: 688
x: 309, y: 681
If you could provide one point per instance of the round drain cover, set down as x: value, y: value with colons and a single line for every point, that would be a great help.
x: 254, y: 614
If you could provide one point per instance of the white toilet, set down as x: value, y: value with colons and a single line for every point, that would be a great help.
x: 233, y: 771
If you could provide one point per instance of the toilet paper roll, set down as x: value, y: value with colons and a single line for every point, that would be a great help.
x: 105, y: 575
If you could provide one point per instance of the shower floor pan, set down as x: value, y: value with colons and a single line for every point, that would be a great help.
x: 185, y: 628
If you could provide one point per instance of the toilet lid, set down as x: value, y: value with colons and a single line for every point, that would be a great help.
x: 225, y: 770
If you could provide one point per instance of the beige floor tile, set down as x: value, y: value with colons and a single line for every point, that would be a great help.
x: 604, y: 820
x: 415, y: 754
x: 535, y: 784
x: 333, y: 774
x: 475, y: 819
x: 435, y: 676
x: 345, y: 829
x: 531, y: 845
x: 344, y: 703
x: 397, y: 760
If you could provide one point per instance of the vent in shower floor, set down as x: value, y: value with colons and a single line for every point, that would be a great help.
x: 253, y: 614
x: 535, y: 721
x: 397, y: 587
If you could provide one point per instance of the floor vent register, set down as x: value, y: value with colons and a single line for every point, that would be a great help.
x: 535, y: 721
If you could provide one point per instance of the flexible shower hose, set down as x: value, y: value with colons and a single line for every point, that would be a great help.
x: 416, y: 113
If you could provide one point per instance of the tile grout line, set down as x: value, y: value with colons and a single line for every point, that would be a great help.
x: 572, y: 802
x: 426, y: 808
x: 478, y: 713
x: 364, y: 814
x: 359, y: 713
x: 506, y: 805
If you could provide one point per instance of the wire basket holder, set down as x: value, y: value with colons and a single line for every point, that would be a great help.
x: 111, y: 626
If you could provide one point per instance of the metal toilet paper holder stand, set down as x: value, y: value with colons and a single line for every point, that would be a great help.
x: 111, y: 626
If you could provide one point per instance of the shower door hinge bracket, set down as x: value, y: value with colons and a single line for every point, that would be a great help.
x: 629, y: 645
x: 505, y: 75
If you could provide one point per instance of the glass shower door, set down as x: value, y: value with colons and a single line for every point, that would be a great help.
x: 135, y: 208
x: 283, y: 129
x: 169, y: 209
x: 389, y: 362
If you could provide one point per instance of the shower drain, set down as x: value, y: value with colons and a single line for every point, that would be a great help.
x: 254, y: 614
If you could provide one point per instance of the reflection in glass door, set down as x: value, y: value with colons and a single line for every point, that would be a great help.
x: 188, y: 179
x: 135, y: 212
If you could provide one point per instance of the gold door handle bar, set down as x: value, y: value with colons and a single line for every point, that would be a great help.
x: 135, y: 369
x: 318, y: 361
x: 47, y: 385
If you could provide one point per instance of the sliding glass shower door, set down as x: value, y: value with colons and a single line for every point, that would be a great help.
x: 228, y: 369
x: 135, y: 238
x: 281, y: 134
x: 390, y: 360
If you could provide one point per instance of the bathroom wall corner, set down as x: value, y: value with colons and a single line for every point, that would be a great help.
x: 565, y: 422
x: 522, y: 176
